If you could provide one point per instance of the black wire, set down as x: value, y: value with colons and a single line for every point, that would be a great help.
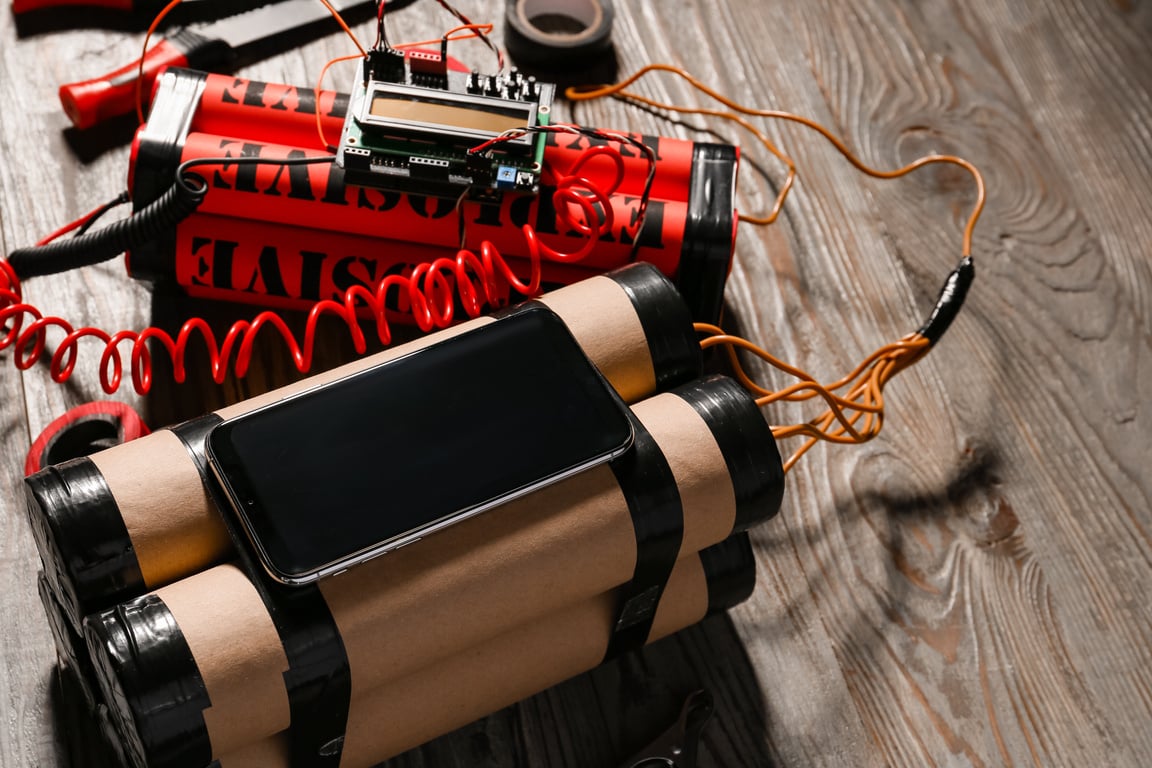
x: 469, y: 23
x: 381, y: 35
x: 183, y: 177
x: 150, y: 222
x: 145, y: 225
x: 119, y: 200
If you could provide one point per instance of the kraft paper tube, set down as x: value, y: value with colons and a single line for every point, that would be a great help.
x: 403, y: 713
x: 473, y: 581
x: 137, y: 516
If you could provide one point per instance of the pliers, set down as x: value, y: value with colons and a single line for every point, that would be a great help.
x: 677, y: 746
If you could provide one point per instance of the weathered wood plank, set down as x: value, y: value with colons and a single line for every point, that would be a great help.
x: 917, y: 594
x: 964, y: 590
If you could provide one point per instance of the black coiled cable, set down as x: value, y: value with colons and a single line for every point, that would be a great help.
x: 159, y: 216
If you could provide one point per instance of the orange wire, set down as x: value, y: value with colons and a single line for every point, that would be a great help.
x: 144, y: 53
x: 618, y: 90
x: 857, y: 415
x: 164, y: 12
x: 477, y: 30
x: 344, y: 26
x: 324, y: 144
x: 864, y: 399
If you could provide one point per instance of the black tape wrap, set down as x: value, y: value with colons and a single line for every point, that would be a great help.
x: 667, y: 323
x: 318, y: 680
x: 70, y: 649
x: 673, y: 345
x: 730, y: 571
x: 950, y: 301
x: 160, y: 142
x: 658, y: 521
x: 558, y: 33
x: 709, y: 231
x: 159, y: 146
x: 746, y: 441
x: 757, y: 474
x: 150, y: 680
x: 88, y: 558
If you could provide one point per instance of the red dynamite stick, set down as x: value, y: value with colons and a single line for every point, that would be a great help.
x: 317, y: 195
x: 220, y: 257
x: 285, y: 114
x: 689, y: 230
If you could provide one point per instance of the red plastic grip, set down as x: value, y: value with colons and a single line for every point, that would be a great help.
x: 114, y: 94
x: 24, y: 6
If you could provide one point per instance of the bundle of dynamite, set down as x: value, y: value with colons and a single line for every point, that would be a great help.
x: 288, y: 236
x: 191, y: 654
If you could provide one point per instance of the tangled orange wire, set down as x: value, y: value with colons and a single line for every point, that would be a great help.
x: 856, y: 415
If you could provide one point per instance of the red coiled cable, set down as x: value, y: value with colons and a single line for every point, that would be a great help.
x: 432, y: 290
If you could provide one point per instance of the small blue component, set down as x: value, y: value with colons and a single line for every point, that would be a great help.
x: 506, y: 177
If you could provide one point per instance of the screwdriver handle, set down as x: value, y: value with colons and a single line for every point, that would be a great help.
x: 91, y: 102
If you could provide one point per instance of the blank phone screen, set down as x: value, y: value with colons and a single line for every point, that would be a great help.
x: 344, y: 469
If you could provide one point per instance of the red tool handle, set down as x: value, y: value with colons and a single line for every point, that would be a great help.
x: 114, y: 94
x: 23, y: 6
x: 94, y: 101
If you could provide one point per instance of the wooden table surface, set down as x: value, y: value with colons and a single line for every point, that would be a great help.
x: 971, y: 588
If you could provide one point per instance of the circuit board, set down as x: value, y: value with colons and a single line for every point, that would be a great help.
x: 411, y: 123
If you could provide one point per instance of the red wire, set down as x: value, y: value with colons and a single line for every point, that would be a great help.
x: 475, y: 276
x: 74, y: 225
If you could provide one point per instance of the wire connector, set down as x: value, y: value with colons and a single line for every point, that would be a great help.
x: 950, y: 301
x: 385, y: 64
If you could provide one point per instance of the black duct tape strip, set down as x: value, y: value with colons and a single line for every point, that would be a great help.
x: 558, y: 33
x: 160, y: 143
x: 110, y: 737
x: 950, y: 300
x: 318, y: 680
x: 710, y: 230
x: 667, y: 323
x: 88, y: 558
x: 730, y: 570
x: 746, y: 441
x: 70, y: 649
x: 150, y: 680
x: 664, y: 317
x: 658, y: 520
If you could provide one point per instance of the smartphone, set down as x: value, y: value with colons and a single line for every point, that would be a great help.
x: 336, y: 475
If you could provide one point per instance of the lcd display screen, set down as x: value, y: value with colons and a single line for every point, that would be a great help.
x: 398, y: 108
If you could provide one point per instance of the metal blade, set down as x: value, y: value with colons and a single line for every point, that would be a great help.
x: 247, y: 32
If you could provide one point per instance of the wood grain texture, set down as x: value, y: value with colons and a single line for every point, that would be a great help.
x: 969, y: 588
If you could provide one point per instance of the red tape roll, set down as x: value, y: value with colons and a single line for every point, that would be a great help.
x: 83, y: 430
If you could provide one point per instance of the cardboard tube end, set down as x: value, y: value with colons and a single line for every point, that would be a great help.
x: 150, y: 680
x: 667, y: 323
x: 88, y: 557
x: 746, y: 441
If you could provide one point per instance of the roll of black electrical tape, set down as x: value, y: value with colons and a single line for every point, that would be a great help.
x: 550, y: 34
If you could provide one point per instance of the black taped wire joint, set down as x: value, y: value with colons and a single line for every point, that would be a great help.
x: 951, y: 299
x: 557, y: 33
